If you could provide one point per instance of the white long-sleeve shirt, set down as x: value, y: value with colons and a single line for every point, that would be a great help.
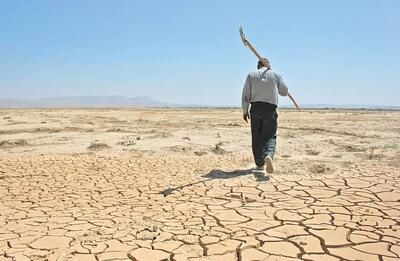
x: 263, y: 85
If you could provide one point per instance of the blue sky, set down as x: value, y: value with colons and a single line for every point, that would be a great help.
x: 335, y: 52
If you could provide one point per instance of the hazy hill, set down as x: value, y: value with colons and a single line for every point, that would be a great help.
x: 84, y: 101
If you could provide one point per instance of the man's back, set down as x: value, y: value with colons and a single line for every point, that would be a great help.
x: 263, y: 85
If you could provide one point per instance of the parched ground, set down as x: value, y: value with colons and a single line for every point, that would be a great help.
x: 180, y: 185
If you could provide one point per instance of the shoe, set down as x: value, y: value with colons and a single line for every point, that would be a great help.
x: 261, y: 167
x: 269, y: 167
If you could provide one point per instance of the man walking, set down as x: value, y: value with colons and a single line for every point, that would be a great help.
x: 260, y: 93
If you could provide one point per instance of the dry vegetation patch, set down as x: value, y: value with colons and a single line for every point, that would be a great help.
x: 13, y: 143
x: 98, y: 146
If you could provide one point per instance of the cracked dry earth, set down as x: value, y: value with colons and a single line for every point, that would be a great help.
x: 179, y: 185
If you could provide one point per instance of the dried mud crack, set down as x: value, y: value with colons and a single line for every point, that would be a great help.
x: 62, y: 214
x: 162, y: 204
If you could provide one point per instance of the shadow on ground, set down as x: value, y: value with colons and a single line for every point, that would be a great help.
x: 220, y: 174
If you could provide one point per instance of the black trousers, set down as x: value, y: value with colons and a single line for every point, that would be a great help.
x: 264, y: 124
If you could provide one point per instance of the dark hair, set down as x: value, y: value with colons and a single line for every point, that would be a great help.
x: 260, y: 64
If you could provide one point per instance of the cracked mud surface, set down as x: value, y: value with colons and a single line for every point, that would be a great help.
x: 170, y: 195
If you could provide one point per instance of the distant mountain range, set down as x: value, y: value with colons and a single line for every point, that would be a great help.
x: 143, y: 102
x: 85, y: 101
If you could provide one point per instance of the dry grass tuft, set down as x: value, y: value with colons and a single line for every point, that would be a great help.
x: 370, y: 153
x: 319, y: 168
x: 126, y: 143
x: 312, y: 152
x: 13, y: 143
x: 218, y: 149
x: 98, y: 146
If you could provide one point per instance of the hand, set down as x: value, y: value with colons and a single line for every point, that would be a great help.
x: 246, y: 117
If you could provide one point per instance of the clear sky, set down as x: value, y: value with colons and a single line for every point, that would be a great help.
x: 335, y: 52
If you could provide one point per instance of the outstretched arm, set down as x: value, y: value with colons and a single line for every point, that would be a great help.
x: 282, y: 88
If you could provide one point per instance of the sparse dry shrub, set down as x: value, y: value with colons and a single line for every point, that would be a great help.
x: 373, y: 153
x: 246, y: 159
x: 126, y: 143
x: 218, y: 149
x: 180, y: 148
x: 312, y: 152
x: 98, y: 146
x: 319, y: 168
x: 370, y: 153
x: 13, y: 143
x: 200, y: 153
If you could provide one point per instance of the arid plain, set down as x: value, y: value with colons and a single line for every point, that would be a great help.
x: 164, y: 184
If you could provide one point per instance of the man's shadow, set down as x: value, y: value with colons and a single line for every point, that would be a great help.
x: 220, y: 174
